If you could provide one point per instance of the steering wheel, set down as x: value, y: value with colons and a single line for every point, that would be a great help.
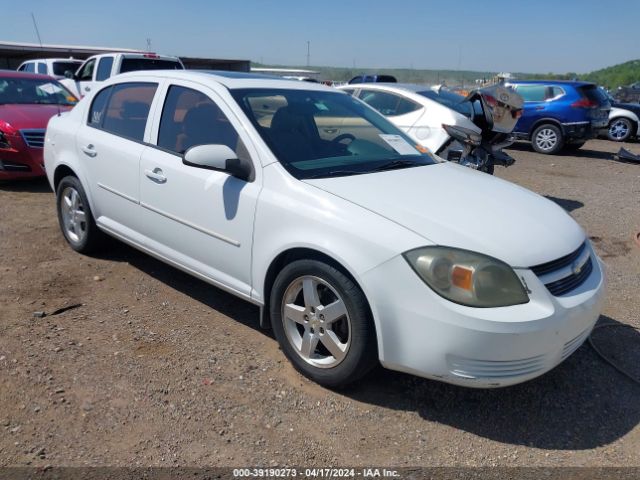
x: 344, y: 136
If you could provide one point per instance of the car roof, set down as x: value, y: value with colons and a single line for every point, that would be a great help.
x: 229, y: 79
x: 575, y: 83
x: 15, y: 74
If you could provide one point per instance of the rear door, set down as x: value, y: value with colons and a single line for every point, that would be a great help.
x: 111, y: 142
x: 535, y: 106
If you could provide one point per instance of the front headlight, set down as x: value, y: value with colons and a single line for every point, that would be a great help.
x: 467, y: 278
x: 4, y: 143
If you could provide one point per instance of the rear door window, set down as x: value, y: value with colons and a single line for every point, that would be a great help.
x: 126, y: 110
x: 387, y: 103
x: 30, y: 67
x: 104, y: 68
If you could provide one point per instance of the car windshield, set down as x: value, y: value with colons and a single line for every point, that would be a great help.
x: 60, y: 68
x: 34, y: 91
x: 317, y: 134
x: 131, y: 64
x: 450, y: 100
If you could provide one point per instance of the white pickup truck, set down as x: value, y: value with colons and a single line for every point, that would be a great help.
x: 100, y: 67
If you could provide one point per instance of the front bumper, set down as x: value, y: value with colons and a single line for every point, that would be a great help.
x: 21, y: 160
x: 421, y: 333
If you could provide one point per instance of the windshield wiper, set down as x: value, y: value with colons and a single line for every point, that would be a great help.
x: 395, y: 164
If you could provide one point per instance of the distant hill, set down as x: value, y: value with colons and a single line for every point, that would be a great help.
x: 610, y: 77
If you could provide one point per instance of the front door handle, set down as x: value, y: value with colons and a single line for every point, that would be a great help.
x: 89, y: 150
x: 156, y: 175
x: 330, y: 130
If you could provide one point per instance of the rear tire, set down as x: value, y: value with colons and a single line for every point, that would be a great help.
x: 620, y: 129
x: 323, y: 324
x: 547, y: 139
x: 75, y: 217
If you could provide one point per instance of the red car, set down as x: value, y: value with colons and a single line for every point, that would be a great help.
x: 27, y: 102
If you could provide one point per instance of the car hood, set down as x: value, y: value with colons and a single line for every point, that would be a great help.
x: 20, y: 116
x: 455, y: 206
x: 634, y: 107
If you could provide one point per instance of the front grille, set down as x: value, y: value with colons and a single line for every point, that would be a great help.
x: 560, y: 263
x: 567, y: 273
x: 566, y: 284
x: 33, y: 138
x: 470, y: 368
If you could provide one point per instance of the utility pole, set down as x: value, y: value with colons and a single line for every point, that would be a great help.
x: 308, y: 53
x: 35, y: 25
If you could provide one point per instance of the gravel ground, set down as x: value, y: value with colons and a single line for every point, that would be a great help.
x: 157, y: 368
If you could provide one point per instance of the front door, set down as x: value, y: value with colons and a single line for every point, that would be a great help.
x: 201, y: 219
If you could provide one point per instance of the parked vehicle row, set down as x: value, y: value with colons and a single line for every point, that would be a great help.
x: 358, y: 245
x: 101, y: 67
x: 471, y: 131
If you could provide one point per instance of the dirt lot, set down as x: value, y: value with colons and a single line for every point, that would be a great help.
x: 157, y: 368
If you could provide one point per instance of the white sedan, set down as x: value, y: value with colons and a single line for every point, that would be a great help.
x: 420, y: 111
x: 357, y: 246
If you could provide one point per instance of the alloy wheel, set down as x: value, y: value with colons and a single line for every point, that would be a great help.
x: 316, y: 321
x: 619, y: 130
x: 546, y: 139
x: 74, y: 217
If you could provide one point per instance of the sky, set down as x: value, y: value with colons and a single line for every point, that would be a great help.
x: 534, y: 36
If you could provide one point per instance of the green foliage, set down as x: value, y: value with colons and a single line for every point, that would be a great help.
x: 610, y: 77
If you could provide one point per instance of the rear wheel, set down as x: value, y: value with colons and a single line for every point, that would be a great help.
x: 321, y: 320
x: 75, y: 217
x: 547, y: 139
x: 619, y: 129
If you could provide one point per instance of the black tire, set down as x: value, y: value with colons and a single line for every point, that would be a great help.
x: 620, y: 129
x: 547, y: 139
x: 361, y: 354
x: 488, y: 168
x: 572, y: 147
x: 91, y: 238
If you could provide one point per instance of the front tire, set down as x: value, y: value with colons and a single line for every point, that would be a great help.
x: 547, y: 139
x: 620, y: 129
x: 322, y: 322
x: 75, y: 217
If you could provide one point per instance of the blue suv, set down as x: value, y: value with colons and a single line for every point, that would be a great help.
x: 560, y: 114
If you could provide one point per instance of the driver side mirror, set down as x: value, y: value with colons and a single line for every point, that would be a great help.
x: 219, y: 158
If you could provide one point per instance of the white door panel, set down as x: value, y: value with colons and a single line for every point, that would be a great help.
x: 202, y: 218
x: 112, y: 163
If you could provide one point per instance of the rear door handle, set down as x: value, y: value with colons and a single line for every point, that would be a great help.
x: 330, y: 130
x: 540, y: 108
x: 89, y: 150
x: 156, y: 175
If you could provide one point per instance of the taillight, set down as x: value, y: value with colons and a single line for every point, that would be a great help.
x: 584, y: 103
x: 490, y: 100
